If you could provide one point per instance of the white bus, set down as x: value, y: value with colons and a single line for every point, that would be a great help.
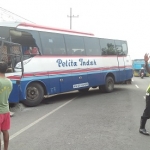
x: 52, y: 61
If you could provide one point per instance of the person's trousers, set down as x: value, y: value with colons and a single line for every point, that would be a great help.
x: 146, y: 113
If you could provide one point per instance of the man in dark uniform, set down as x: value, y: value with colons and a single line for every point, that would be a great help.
x: 146, y: 113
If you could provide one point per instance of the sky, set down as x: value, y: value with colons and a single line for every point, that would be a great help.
x: 114, y: 19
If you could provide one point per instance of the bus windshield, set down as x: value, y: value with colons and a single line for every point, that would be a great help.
x: 27, y: 41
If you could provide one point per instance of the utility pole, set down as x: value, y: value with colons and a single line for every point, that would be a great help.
x: 71, y: 16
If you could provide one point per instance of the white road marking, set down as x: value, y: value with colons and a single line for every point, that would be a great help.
x: 144, y: 97
x: 132, y: 80
x: 136, y: 86
x: 38, y: 120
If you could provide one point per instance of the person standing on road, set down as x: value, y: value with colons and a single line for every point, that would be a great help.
x: 146, y: 113
x: 5, y: 90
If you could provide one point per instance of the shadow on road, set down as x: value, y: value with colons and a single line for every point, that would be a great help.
x: 70, y: 95
x: 67, y: 96
x: 60, y: 97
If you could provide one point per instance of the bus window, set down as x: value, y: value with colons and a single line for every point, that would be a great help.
x: 125, y: 48
x: 92, y: 46
x: 46, y: 43
x: 53, y: 44
x: 75, y: 45
x: 121, y: 47
x: 36, y: 49
x: 118, y: 47
x: 108, y: 47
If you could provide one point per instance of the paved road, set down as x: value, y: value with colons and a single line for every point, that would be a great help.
x: 93, y: 121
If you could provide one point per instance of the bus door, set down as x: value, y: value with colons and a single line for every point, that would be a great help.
x: 121, y: 67
x: 122, y: 50
x: 10, y: 53
x: 128, y: 67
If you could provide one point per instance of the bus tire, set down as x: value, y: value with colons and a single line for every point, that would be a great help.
x: 84, y: 90
x: 109, y: 84
x: 102, y: 88
x: 34, y: 95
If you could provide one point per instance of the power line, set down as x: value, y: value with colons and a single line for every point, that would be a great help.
x: 71, y: 16
x: 7, y: 11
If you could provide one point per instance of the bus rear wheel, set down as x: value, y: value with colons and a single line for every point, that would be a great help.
x: 109, y: 85
x: 34, y: 95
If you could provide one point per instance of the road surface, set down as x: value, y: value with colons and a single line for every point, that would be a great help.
x: 92, y: 121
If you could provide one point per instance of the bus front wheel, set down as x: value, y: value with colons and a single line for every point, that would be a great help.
x: 34, y: 95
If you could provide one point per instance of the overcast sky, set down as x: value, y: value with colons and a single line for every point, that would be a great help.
x: 115, y: 19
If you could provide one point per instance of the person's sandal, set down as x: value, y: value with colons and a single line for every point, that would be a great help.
x: 11, y: 114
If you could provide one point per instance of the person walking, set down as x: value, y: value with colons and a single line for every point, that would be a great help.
x: 5, y: 90
x: 146, y: 113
